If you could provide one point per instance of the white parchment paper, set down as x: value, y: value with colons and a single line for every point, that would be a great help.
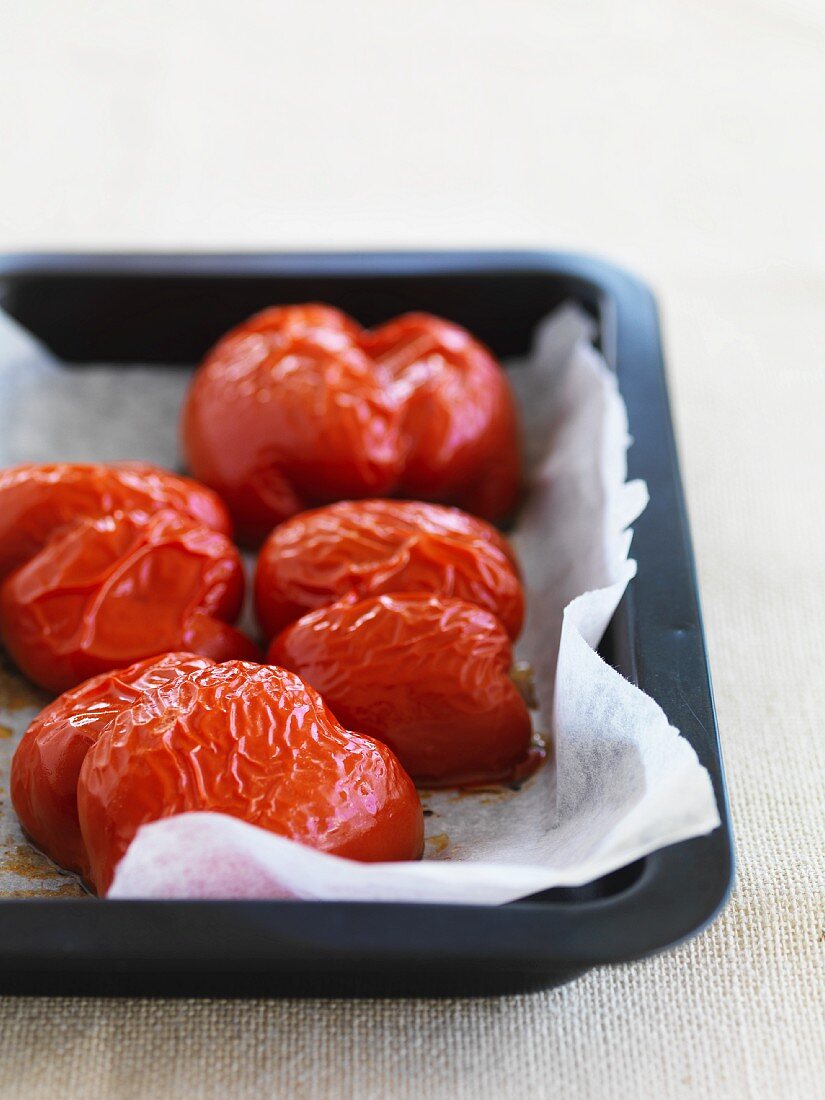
x: 620, y: 781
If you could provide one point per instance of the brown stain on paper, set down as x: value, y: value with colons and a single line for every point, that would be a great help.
x: 26, y: 862
x: 64, y: 890
x: 437, y: 844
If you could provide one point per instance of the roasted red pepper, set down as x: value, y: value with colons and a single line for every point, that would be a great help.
x: 287, y: 410
x: 247, y: 740
x: 459, y: 421
x: 369, y: 547
x: 428, y: 676
x: 46, y: 766
x: 110, y: 565
x: 298, y: 406
x: 37, y: 500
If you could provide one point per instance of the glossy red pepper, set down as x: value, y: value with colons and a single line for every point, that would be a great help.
x: 254, y: 742
x: 459, y: 419
x: 38, y: 500
x: 104, y: 566
x: 287, y: 410
x: 105, y: 593
x: 46, y: 765
x: 424, y: 674
x: 369, y: 547
x: 299, y: 406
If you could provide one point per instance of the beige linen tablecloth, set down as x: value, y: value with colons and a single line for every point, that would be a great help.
x: 684, y: 139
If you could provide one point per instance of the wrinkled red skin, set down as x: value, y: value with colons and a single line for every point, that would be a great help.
x: 426, y: 675
x: 38, y: 500
x: 107, y: 592
x: 46, y: 765
x: 355, y: 549
x: 287, y: 411
x: 459, y: 417
x: 254, y: 742
x: 299, y: 406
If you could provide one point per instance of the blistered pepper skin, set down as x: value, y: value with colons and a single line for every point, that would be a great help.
x: 355, y: 549
x: 254, y: 742
x: 288, y: 411
x: 38, y: 500
x: 46, y: 765
x: 425, y: 674
x: 459, y: 418
x: 104, y: 593
x: 299, y: 406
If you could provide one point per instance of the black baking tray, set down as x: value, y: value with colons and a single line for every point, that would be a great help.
x: 169, y: 309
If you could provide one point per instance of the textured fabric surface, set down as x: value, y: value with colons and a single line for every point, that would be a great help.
x: 683, y: 139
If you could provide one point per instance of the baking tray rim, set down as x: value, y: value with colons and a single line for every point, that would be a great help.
x: 619, y: 294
